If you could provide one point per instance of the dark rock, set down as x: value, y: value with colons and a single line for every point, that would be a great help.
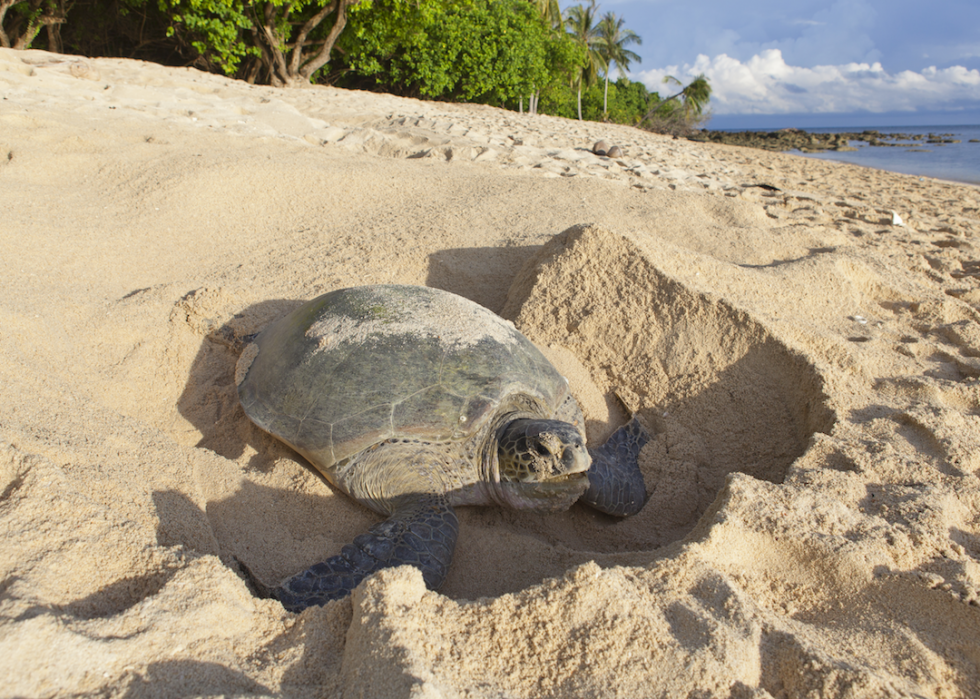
x: 797, y: 139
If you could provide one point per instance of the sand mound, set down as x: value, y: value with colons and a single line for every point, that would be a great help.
x: 808, y: 366
x: 719, y: 390
x: 792, y: 570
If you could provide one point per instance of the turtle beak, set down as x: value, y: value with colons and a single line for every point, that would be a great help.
x: 572, y: 455
x: 575, y: 458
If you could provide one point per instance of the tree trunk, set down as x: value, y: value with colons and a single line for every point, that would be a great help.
x: 252, y: 70
x: 4, y: 6
x: 580, y: 101
x: 323, y: 56
x: 27, y: 38
x: 271, y: 53
x: 605, y: 96
x: 54, y: 37
x: 49, y: 17
x: 659, y: 104
x: 300, y: 68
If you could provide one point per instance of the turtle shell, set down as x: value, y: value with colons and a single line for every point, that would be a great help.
x: 359, y: 366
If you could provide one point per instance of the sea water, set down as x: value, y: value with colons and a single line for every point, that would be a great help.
x: 948, y: 161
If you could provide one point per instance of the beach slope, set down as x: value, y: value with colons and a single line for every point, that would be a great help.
x: 801, y: 337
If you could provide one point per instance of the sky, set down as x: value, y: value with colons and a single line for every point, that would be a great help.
x: 812, y: 63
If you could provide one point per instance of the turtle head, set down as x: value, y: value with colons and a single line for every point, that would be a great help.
x: 543, y: 464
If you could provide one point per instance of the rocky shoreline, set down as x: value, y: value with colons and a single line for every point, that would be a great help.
x: 808, y: 142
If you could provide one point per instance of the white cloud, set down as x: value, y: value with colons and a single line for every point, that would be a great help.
x: 766, y: 84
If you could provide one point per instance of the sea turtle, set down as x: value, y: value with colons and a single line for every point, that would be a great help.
x: 412, y: 401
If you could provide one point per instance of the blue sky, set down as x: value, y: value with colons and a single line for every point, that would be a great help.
x: 815, y: 63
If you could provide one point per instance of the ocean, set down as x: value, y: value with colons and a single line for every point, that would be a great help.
x: 949, y: 161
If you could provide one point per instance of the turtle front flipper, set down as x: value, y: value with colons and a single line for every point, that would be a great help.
x: 420, y: 532
x: 616, y: 484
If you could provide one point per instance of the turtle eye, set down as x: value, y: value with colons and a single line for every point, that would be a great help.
x: 541, y: 449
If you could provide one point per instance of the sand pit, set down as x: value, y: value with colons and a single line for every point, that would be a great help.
x: 808, y: 367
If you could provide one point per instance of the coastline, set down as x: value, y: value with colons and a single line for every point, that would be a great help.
x: 783, y: 140
x: 962, y: 183
x: 942, y: 152
x: 807, y: 363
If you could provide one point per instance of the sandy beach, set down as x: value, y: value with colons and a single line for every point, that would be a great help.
x: 802, y: 338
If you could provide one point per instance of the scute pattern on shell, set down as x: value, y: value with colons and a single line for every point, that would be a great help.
x: 456, y: 322
x: 355, y: 367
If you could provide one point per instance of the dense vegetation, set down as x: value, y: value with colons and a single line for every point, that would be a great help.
x: 519, y: 54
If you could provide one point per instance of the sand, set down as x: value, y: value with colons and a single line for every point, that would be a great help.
x: 807, y: 364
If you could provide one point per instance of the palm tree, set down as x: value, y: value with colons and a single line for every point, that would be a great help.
x: 695, y: 96
x: 551, y: 11
x: 615, y: 39
x: 580, y: 21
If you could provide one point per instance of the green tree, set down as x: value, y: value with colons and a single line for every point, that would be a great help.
x: 282, y: 41
x: 551, y: 11
x: 580, y: 21
x: 27, y: 20
x: 626, y: 102
x: 630, y: 101
x: 613, y: 42
x: 694, y: 97
x: 490, y: 51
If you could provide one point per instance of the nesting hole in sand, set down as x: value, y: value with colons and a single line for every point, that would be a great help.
x: 719, y: 392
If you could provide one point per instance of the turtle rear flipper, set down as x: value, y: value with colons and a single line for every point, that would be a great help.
x: 421, y: 532
x: 616, y: 484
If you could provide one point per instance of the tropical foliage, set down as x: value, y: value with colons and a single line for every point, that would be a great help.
x: 580, y: 21
x: 614, y: 40
x: 493, y: 51
x: 509, y: 53
x: 283, y: 42
x: 681, y: 112
x: 22, y: 20
x: 692, y: 98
